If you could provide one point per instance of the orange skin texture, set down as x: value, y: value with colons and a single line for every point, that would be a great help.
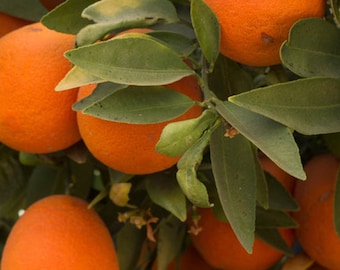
x: 59, y: 232
x: 10, y: 23
x: 218, y: 245
x: 130, y: 148
x: 316, y: 232
x: 33, y: 116
x: 253, y: 31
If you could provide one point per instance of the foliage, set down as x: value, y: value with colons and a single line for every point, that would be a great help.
x: 288, y: 112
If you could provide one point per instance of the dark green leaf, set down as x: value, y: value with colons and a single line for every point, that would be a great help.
x: 335, y: 7
x: 178, y: 137
x: 273, y: 219
x: 112, y: 15
x: 271, y: 137
x: 262, y: 193
x: 140, y: 105
x: 207, y: 30
x: 332, y: 141
x: 313, y: 48
x: 279, y: 197
x: 192, y: 187
x: 133, y: 58
x: 129, y: 245
x: 31, y: 10
x: 235, y: 176
x: 67, y: 18
x: 310, y: 106
x: 273, y: 238
x: 170, y: 239
x: 337, y: 205
x: 164, y: 191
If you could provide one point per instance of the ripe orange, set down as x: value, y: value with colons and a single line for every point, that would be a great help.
x: 33, y: 116
x: 59, y: 232
x: 10, y: 23
x: 252, y: 31
x: 218, y: 245
x: 130, y: 148
x: 316, y: 232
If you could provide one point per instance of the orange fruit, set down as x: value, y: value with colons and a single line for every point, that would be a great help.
x: 33, y: 116
x: 10, y: 23
x: 315, y: 196
x: 130, y: 148
x: 51, y: 4
x: 219, y: 246
x: 252, y: 31
x: 59, y: 232
x: 284, y: 178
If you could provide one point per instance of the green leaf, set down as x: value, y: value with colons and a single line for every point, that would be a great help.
x: 335, y: 9
x: 77, y: 77
x: 140, y: 105
x: 192, y: 187
x: 337, y: 205
x: 170, y: 238
x: 262, y: 193
x: 66, y: 17
x: 312, y: 49
x: 207, y: 30
x: 271, y: 137
x: 31, y: 10
x: 178, y: 137
x: 269, y: 218
x: 332, y: 141
x: 133, y: 58
x: 110, y: 15
x: 310, y: 106
x: 279, y: 197
x: 274, y: 238
x: 164, y: 191
x: 129, y: 244
x: 235, y: 176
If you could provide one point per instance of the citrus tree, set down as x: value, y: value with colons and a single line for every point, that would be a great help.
x: 150, y: 157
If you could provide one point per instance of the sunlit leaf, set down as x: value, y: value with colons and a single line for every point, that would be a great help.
x: 136, y: 59
x: 235, y: 177
x: 164, y: 191
x: 177, y: 137
x: 313, y: 48
x: 271, y: 137
x: 67, y: 18
x: 309, y: 106
x: 112, y: 15
x: 140, y: 105
x: 207, y: 30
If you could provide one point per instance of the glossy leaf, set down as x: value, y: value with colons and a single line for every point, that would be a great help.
x: 273, y: 219
x: 313, y: 48
x: 207, y: 30
x: 271, y: 137
x: 337, y: 205
x: 140, y: 105
x: 178, y: 137
x: 273, y: 238
x: 67, y: 17
x: 170, y: 238
x: 166, y: 193
x: 193, y: 188
x: 110, y: 15
x: 136, y: 59
x: 129, y: 244
x: 77, y: 77
x: 309, y: 106
x: 235, y: 178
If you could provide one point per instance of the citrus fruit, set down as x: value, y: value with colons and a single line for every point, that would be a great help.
x: 33, y: 116
x: 252, y: 31
x: 315, y: 196
x: 10, y: 23
x: 130, y: 148
x: 219, y: 246
x: 59, y: 232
